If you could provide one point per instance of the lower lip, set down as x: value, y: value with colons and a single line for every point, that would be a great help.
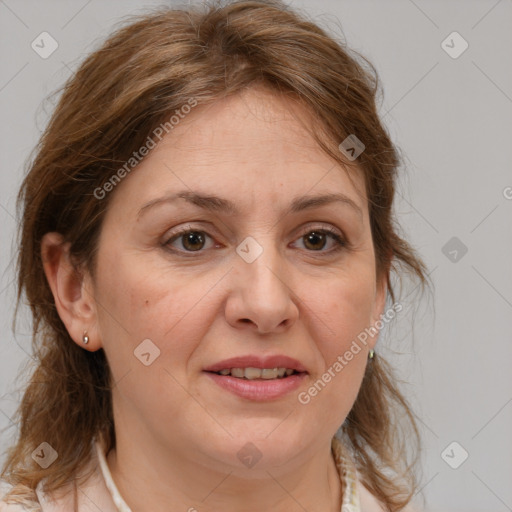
x: 259, y: 390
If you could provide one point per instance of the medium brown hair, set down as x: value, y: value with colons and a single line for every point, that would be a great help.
x: 146, y: 70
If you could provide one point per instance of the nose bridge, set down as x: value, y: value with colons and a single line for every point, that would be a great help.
x: 264, y: 296
x: 263, y: 275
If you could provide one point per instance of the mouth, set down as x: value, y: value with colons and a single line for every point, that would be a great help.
x: 258, y: 389
x: 251, y: 373
x: 258, y: 378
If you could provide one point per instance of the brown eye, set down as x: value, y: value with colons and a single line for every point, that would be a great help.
x: 191, y: 241
x: 316, y: 240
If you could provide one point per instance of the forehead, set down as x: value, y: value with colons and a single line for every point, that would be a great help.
x: 256, y: 122
x: 253, y: 144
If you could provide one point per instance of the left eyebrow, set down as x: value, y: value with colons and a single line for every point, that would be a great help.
x: 219, y: 204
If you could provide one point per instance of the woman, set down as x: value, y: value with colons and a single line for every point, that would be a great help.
x: 206, y: 245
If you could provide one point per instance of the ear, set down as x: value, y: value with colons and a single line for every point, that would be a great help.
x: 72, y: 291
x: 381, y: 291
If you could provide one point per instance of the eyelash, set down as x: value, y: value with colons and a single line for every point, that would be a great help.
x: 341, y: 243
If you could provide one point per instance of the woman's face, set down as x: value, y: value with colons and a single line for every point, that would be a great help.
x: 255, y: 282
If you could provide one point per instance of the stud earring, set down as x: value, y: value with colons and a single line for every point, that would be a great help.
x: 371, y: 355
x: 85, y: 338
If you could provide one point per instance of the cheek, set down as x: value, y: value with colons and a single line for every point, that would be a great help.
x: 140, y: 301
x: 344, y: 311
x: 344, y: 357
x: 346, y: 308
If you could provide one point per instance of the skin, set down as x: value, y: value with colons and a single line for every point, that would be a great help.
x: 178, y: 433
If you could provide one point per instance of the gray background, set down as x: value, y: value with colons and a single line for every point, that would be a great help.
x: 452, y: 118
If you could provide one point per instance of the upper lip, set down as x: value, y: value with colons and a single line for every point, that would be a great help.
x: 254, y: 361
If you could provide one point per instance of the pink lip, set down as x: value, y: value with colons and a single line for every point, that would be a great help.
x: 258, y: 390
x: 254, y: 361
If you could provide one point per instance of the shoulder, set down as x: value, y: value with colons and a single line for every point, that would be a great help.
x: 77, y: 494
x: 369, y: 503
x: 17, y: 502
x: 357, y: 497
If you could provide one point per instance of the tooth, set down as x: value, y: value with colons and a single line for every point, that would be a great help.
x: 267, y: 373
x: 253, y: 373
x: 237, y: 372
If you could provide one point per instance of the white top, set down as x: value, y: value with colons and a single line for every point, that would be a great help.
x: 101, y: 492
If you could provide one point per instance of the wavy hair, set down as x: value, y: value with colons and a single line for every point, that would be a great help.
x: 148, y: 68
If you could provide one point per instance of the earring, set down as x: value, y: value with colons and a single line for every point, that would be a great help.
x: 371, y: 355
x: 85, y: 338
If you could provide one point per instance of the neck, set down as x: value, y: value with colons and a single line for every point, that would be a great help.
x: 152, y: 477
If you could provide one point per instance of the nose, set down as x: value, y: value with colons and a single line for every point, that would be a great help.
x: 261, y: 299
